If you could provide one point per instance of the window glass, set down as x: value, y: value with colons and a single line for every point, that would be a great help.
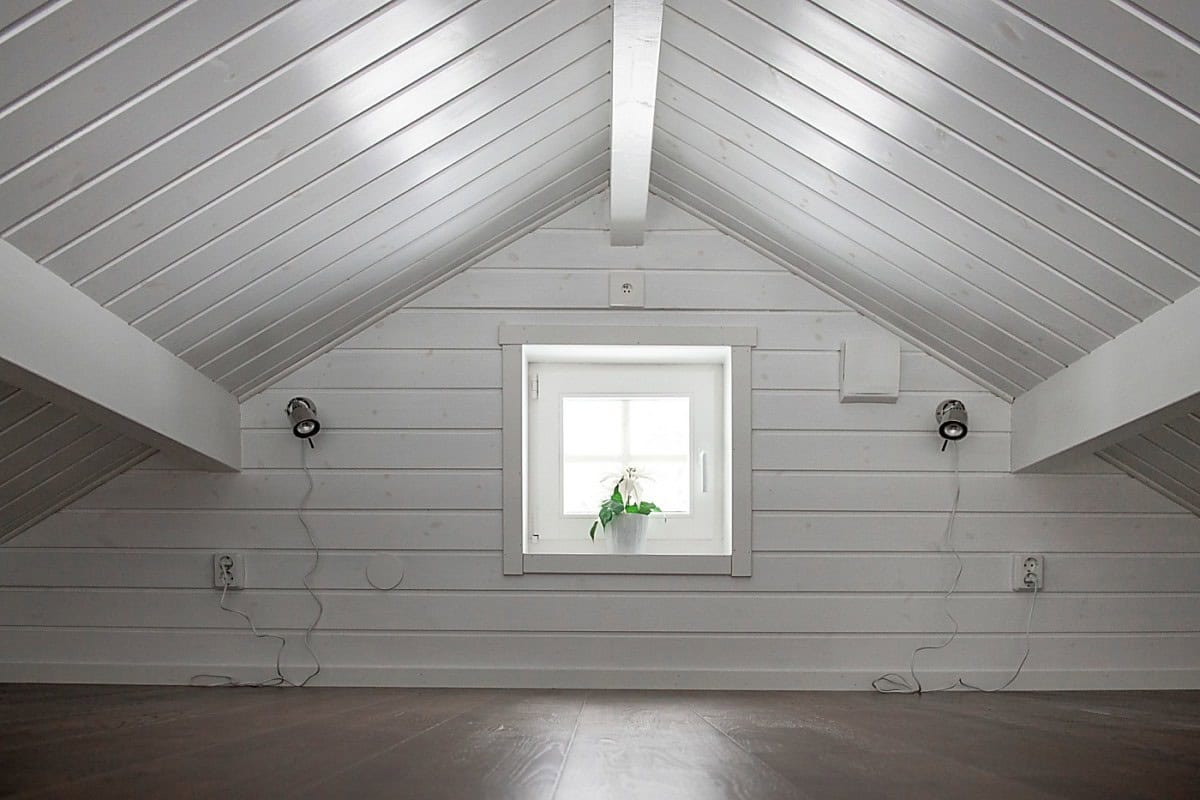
x: 601, y: 436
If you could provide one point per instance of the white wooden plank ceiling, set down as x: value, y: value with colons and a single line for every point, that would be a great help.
x: 1167, y: 458
x: 49, y: 457
x: 1008, y: 183
x: 246, y: 182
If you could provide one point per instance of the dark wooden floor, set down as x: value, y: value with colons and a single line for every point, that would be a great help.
x: 107, y: 741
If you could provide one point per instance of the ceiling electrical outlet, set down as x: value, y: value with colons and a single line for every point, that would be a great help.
x: 627, y: 289
x: 1028, y: 573
x: 229, y: 571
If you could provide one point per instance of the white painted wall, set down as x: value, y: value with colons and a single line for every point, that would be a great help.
x: 849, y: 506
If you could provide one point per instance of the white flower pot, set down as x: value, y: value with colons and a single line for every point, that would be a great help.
x: 627, y: 533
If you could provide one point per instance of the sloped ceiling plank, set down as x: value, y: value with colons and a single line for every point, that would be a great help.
x: 1006, y: 114
x: 80, y: 28
x: 447, y: 129
x: 79, y: 98
x: 13, y: 12
x: 882, y: 208
x: 1128, y: 39
x: 1084, y: 86
x: 16, y: 405
x: 637, y: 35
x: 186, y: 118
x: 39, y: 442
x: 1158, y: 468
x: 927, y: 94
x: 1111, y: 319
x: 468, y: 212
x: 147, y: 393
x: 391, y: 227
x: 52, y: 440
x: 1182, y: 15
x: 732, y: 210
x: 44, y: 469
x: 1142, y: 378
x: 69, y: 482
x: 1007, y: 201
x: 320, y: 109
x: 872, y: 250
x: 28, y: 428
x: 845, y: 144
x: 450, y: 260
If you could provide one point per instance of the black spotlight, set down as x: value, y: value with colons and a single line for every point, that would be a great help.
x: 302, y: 413
x: 952, y: 420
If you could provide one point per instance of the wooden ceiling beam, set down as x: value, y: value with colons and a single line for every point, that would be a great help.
x: 1147, y: 375
x: 637, y: 37
x: 61, y: 345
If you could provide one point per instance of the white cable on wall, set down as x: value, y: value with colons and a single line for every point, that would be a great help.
x: 894, y: 683
x: 280, y: 680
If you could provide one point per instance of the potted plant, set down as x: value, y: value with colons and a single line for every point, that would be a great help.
x: 626, y: 513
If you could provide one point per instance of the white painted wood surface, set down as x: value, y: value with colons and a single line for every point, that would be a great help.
x: 50, y: 456
x: 1146, y: 376
x: 636, y: 38
x: 961, y: 171
x: 849, y: 510
x: 57, y: 343
x: 1166, y: 457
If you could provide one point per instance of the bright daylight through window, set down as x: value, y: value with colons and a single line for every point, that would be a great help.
x: 621, y: 457
x: 592, y: 423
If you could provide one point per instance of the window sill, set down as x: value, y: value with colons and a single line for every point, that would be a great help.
x: 610, y: 564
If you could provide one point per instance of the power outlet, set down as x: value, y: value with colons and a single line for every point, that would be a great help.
x: 1028, y: 572
x: 229, y: 571
x: 627, y: 289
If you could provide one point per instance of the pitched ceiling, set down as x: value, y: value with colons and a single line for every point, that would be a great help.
x: 1008, y: 184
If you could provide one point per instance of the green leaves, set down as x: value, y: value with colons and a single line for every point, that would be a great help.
x: 615, y: 506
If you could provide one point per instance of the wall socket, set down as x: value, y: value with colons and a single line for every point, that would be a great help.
x: 627, y: 289
x: 1028, y: 572
x: 229, y: 571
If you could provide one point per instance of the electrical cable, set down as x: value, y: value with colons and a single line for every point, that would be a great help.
x: 316, y: 563
x: 280, y: 680
x: 228, y: 681
x: 894, y: 683
x: 1024, y: 658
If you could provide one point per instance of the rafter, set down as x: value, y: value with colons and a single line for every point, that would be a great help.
x: 637, y: 36
x: 60, y: 344
x: 1145, y: 376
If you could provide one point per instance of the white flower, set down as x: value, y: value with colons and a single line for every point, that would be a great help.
x: 629, y: 484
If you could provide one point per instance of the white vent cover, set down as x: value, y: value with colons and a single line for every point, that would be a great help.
x: 870, y: 370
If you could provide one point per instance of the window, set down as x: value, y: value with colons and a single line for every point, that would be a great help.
x: 582, y: 404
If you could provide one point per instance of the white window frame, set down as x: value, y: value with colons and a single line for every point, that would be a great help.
x: 513, y: 340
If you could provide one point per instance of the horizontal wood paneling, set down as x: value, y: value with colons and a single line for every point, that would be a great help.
x: 611, y: 612
x: 480, y: 571
x: 850, y: 508
x: 455, y: 529
x: 471, y: 329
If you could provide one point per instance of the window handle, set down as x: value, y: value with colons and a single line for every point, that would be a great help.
x: 703, y: 472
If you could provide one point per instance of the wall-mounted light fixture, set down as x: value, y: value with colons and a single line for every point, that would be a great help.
x: 302, y: 413
x: 952, y: 421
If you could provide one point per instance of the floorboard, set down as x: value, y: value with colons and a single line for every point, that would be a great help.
x: 109, y: 742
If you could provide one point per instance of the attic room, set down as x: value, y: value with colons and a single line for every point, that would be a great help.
x: 587, y: 399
